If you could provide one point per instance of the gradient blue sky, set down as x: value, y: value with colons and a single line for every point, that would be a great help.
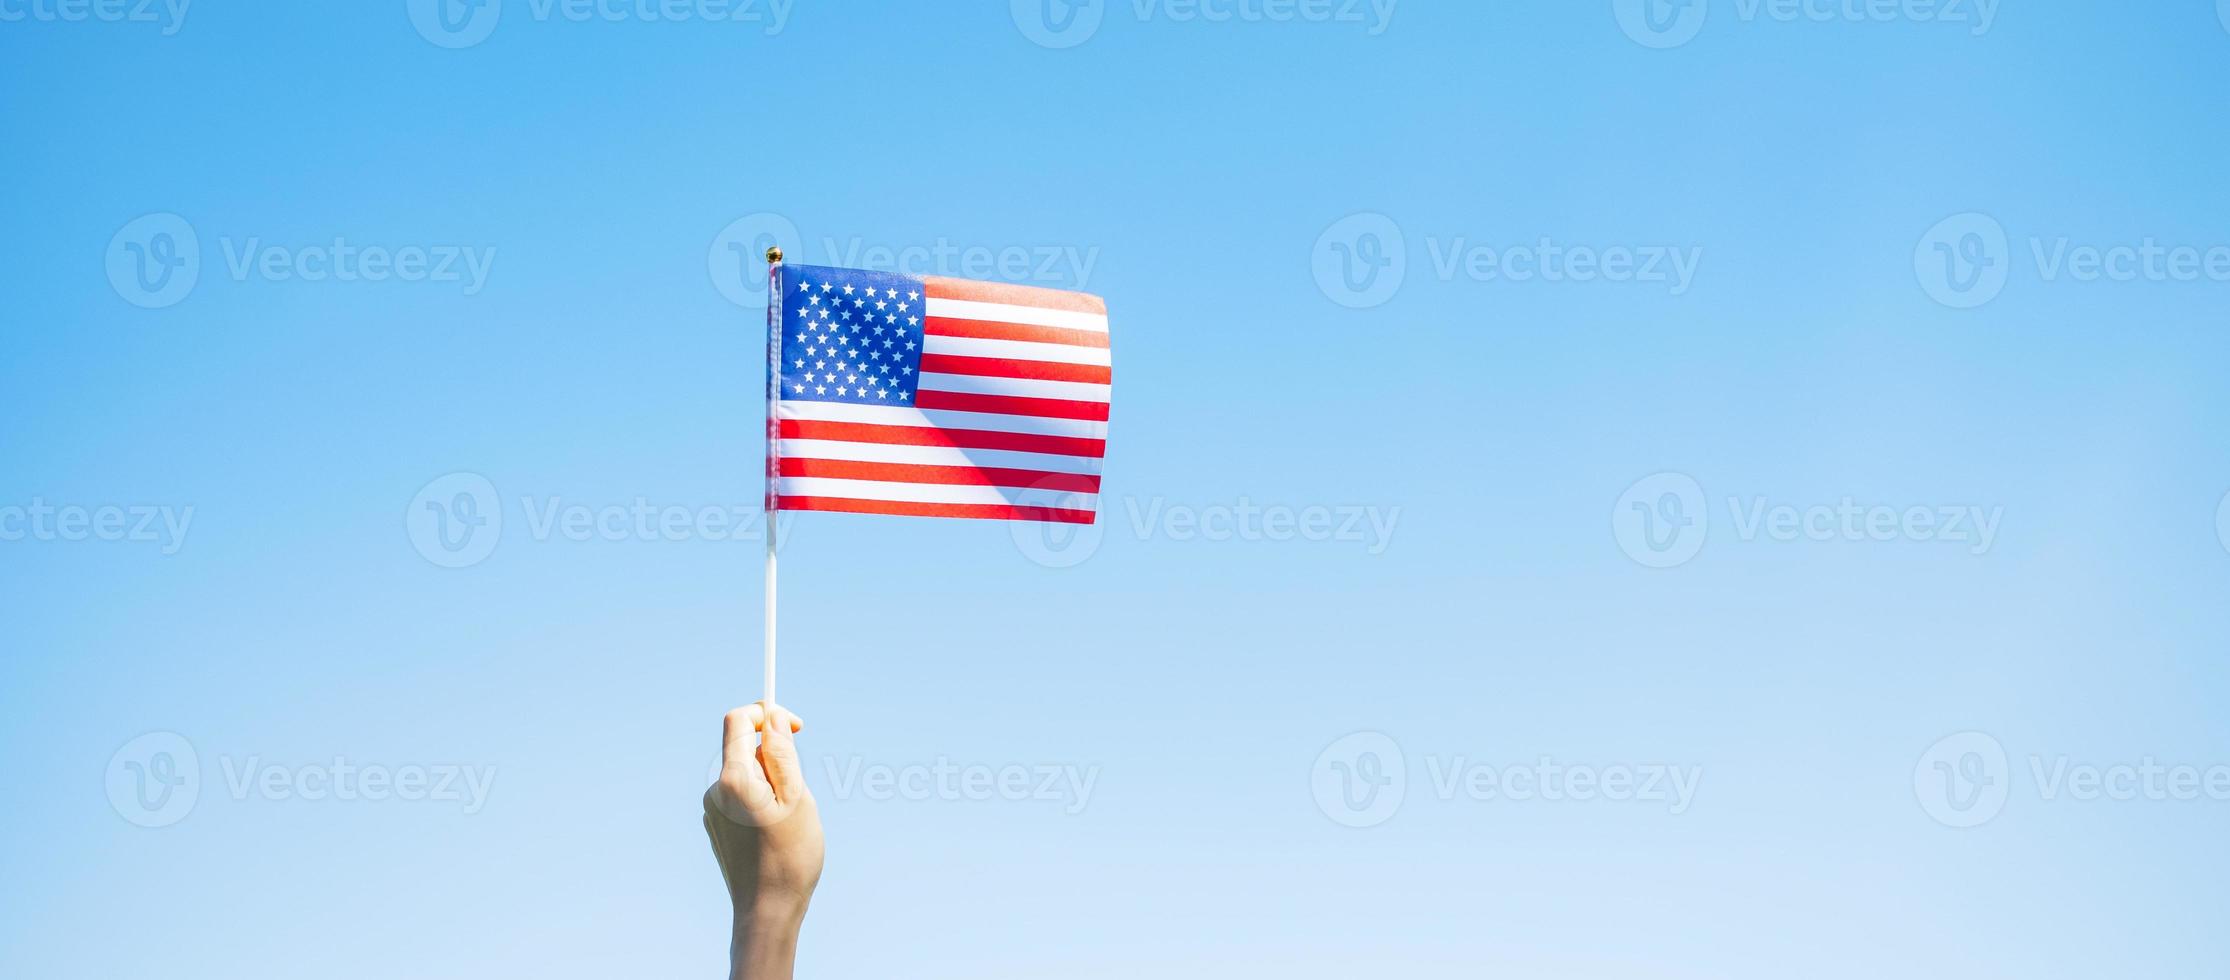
x: 1200, y: 167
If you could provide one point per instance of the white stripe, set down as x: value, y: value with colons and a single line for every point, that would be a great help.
x: 940, y: 419
x: 878, y: 452
x: 934, y: 493
x: 1037, y: 316
x: 1020, y: 350
x: 1016, y: 387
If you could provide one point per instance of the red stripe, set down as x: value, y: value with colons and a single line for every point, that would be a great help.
x: 994, y: 512
x: 941, y: 287
x: 980, y: 476
x: 1001, y: 367
x: 916, y: 435
x: 945, y: 326
x: 1056, y: 408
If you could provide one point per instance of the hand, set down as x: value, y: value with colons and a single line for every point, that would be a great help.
x: 766, y: 832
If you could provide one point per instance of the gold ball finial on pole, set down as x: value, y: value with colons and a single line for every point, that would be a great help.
x: 774, y: 254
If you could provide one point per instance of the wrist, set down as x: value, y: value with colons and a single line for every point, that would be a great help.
x: 764, y: 944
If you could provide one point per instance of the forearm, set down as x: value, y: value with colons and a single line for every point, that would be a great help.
x: 764, y: 944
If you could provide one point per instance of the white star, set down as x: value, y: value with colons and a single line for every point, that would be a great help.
x: 890, y: 318
x: 818, y: 390
x: 797, y: 363
x: 841, y: 391
x: 902, y: 396
x: 882, y: 393
x: 847, y: 289
x: 913, y: 322
x: 825, y: 287
x: 879, y: 304
x: 797, y: 389
x: 910, y: 294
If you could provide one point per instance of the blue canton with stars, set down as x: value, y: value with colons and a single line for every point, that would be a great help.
x: 850, y: 335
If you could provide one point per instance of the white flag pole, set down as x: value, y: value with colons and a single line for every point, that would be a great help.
x: 774, y: 450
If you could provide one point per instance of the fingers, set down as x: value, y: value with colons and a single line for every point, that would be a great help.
x: 761, y: 777
x: 778, y: 754
x: 739, y: 767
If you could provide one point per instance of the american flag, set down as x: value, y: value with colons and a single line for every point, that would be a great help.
x: 935, y: 397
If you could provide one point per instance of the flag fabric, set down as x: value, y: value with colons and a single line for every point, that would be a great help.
x: 929, y: 396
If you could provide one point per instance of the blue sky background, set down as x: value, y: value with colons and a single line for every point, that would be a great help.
x: 1201, y: 166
